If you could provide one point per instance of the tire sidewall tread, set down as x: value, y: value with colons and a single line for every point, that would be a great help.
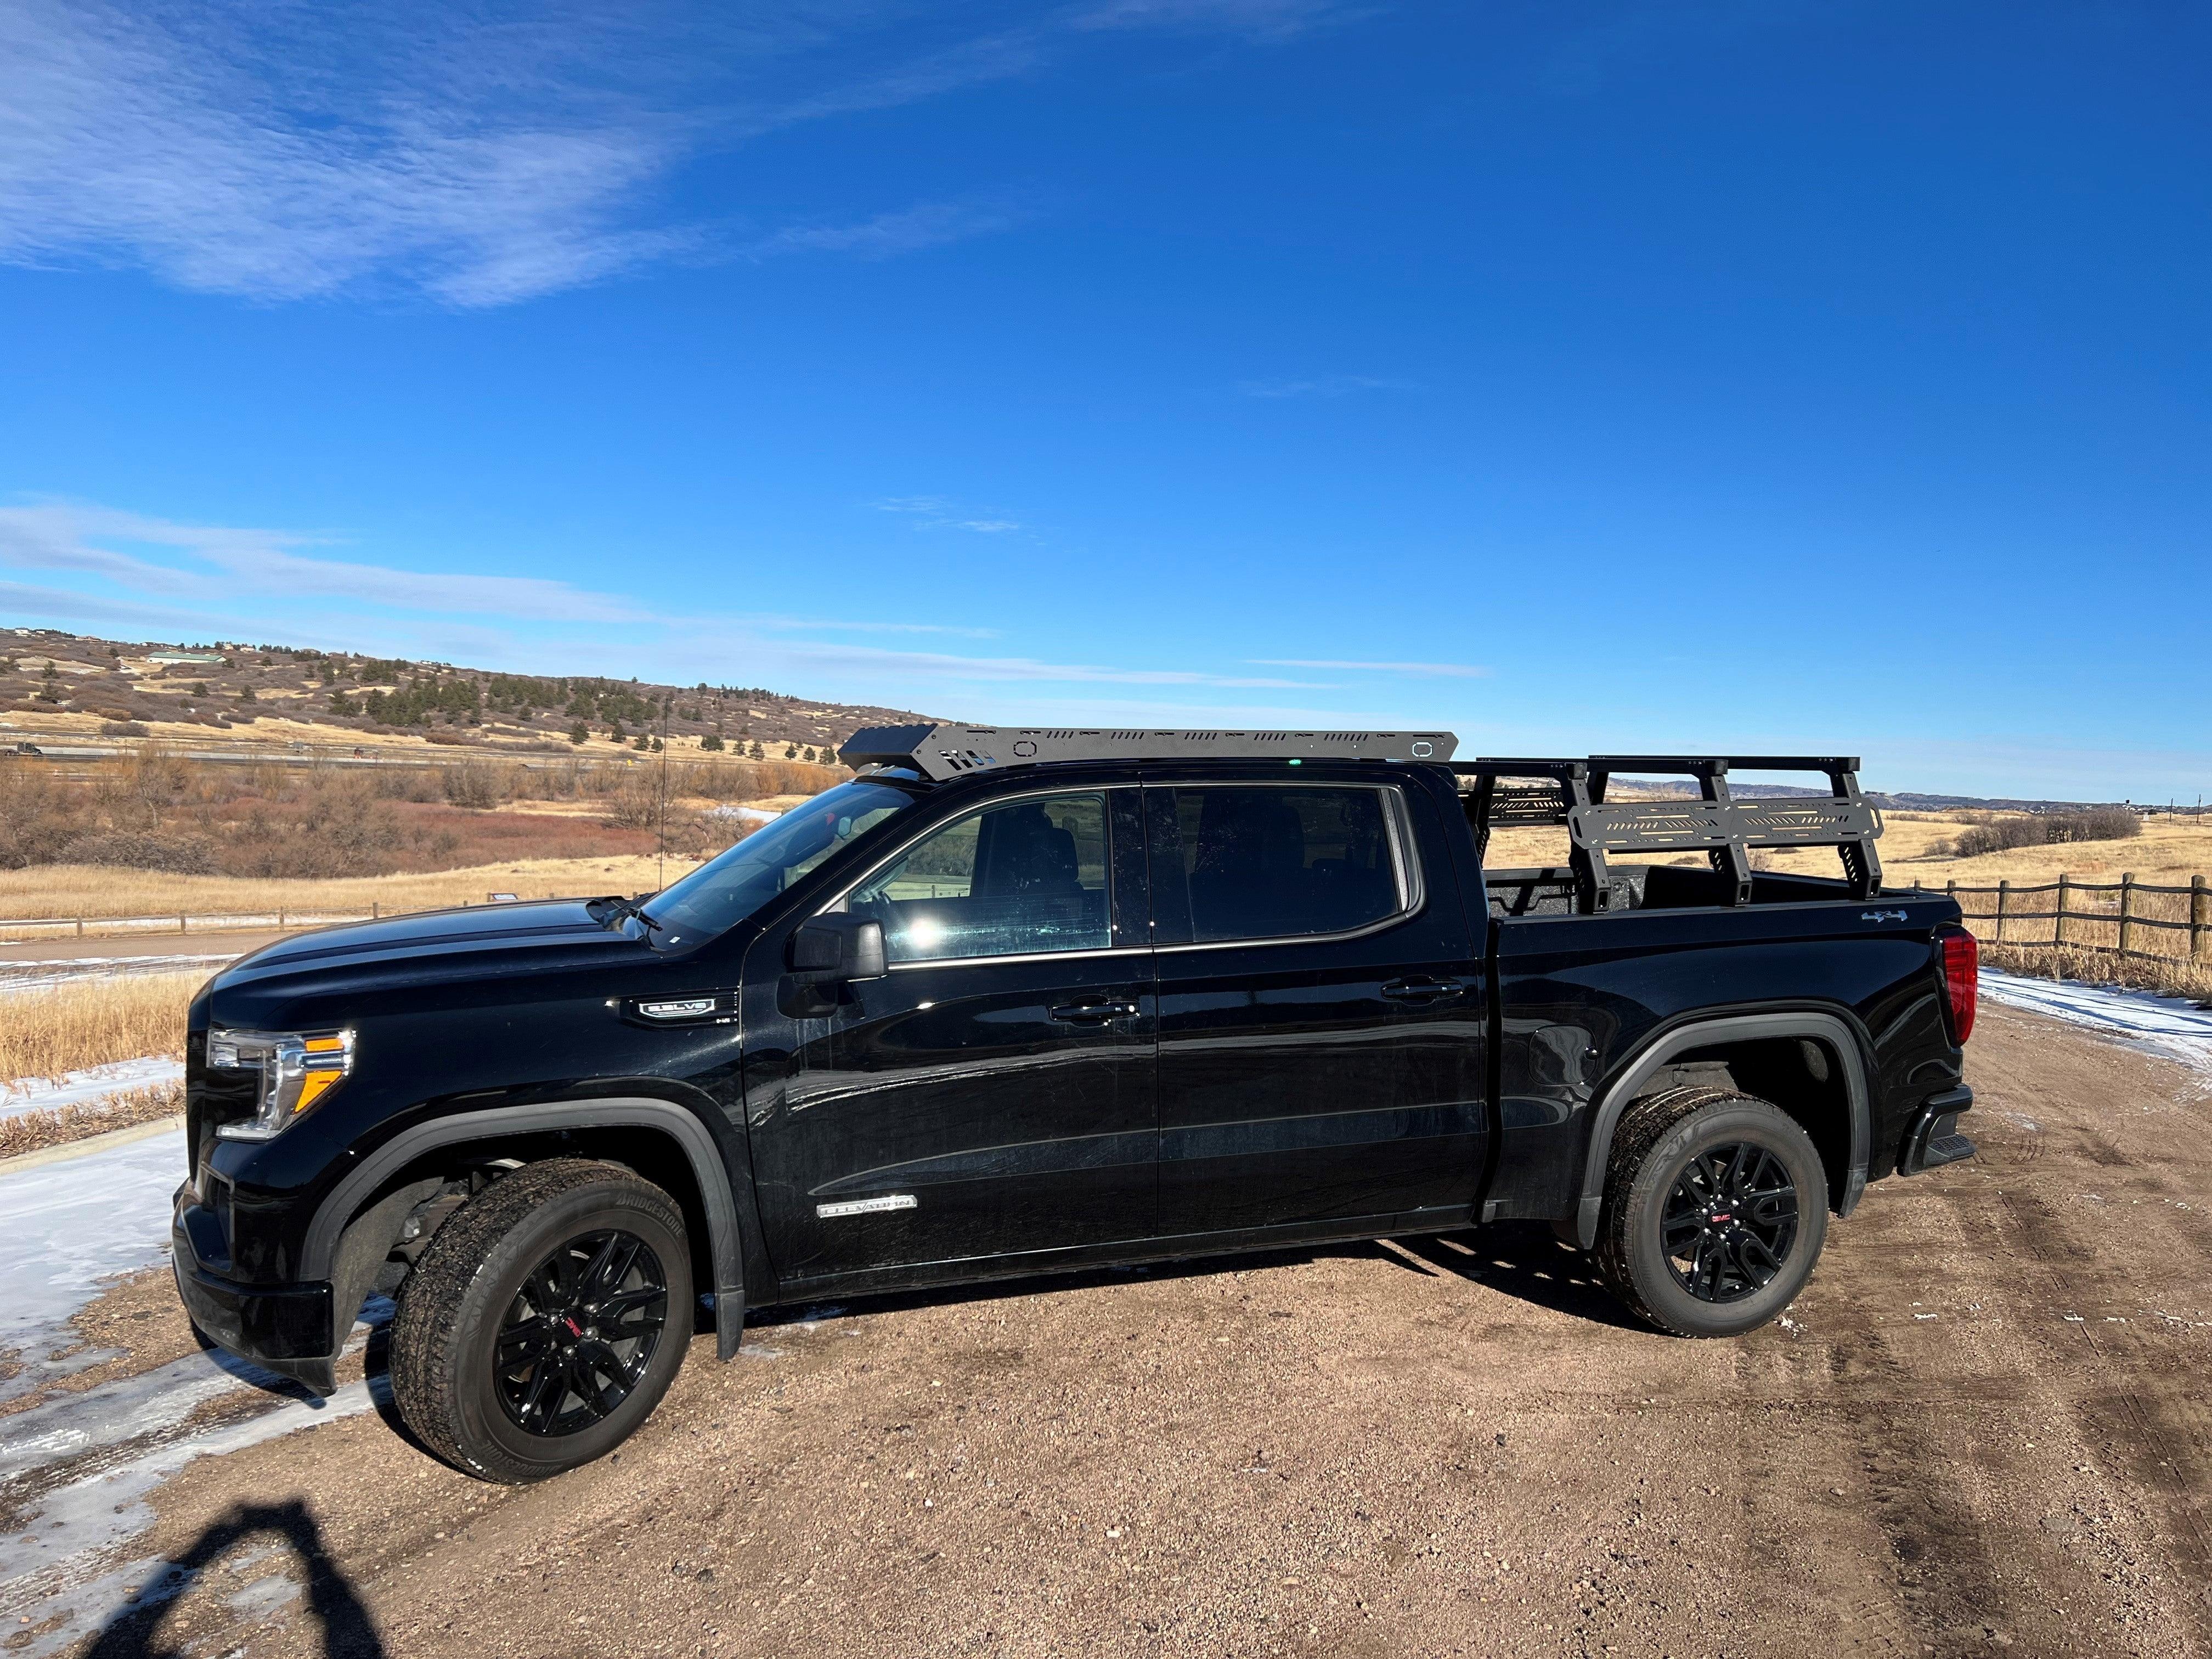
x: 438, y: 1384
x: 1652, y: 1138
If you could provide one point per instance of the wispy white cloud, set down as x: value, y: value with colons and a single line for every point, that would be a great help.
x: 222, y: 563
x: 478, y: 155
x: 1325, y: 385
x: 929, y: 224
x: 935, y: 513
x: 1457, y: 671
x: 210, y: 582
x: 943, y: 667
x: 842, y: 625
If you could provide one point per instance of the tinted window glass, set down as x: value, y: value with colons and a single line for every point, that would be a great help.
x: 1274, y: 863
x: 1008, y: 880
x: 731, y: 887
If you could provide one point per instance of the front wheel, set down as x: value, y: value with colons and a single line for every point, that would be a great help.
x: 544, y: 1320
x: 1715, y: 1208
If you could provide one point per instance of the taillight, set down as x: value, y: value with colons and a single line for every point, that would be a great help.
x: 1962, y: 978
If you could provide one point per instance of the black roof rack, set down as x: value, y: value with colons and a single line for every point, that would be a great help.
x: 943, y: 751
x: 1526, y: 792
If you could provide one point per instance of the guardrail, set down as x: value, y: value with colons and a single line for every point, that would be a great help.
x: 2084, y: 918
x: 189, y: 921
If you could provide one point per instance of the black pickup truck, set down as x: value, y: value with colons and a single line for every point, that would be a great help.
x: 1021, y: 1001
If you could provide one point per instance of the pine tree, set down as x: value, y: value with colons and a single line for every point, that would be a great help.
x: 713, y: 741
x: 580, y: 733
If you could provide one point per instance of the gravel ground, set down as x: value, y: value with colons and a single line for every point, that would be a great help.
x: 1984, y: 1426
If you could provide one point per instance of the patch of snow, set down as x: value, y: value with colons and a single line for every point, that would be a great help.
x: 54, y: 1538
x: 75, y: 1473
x: 2167, y: 1025
x: 34, y: 1094
x: 73, y: 1224
x: 69, y: 970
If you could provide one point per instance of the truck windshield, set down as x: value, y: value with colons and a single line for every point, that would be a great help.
x: 728, y: 889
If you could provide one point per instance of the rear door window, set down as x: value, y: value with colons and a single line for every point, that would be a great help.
x: 1255, y: 861
x: 1014, y: 879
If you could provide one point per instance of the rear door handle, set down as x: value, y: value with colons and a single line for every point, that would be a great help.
x: 1092, y: 1013
x: 1423, y: 989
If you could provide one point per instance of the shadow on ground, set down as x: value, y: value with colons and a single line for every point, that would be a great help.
x: 1523, y: 1259
x: 336, y: 1612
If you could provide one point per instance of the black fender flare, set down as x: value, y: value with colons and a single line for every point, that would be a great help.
x: 1831, y: 1031
x: 320, y: 1250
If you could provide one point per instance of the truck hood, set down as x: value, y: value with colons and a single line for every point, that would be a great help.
x: 431, y: 949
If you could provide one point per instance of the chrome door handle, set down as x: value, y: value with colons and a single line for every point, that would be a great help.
x: 1092, y: 1013
x: 1423, y: 989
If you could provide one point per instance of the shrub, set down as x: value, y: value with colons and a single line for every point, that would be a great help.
x: 172, y: 855
x: 122, y: 729
x: 474, y: 783
x: 2095, y: 824
x: 2045, y: 829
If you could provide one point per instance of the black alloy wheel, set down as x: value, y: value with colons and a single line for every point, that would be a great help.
x: 544, y: 1320
x: 580, y: 1333
x: 1715, y: 1211
x: 1729, y: 1222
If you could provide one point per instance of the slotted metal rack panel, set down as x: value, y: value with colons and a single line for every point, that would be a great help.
x: 945, y: 750
x: 1529, y: 791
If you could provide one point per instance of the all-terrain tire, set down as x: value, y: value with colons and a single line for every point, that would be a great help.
x: 445, y: 1381
x: 1655, y: 1146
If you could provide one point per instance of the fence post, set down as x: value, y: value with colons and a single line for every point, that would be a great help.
x: 2004, y: 893
x: 376, y: 908
x: 2127, y: 904
x: 181, y: 923
x: 80, y: 925
x: 2196, y: 916
x: 2059, y: 921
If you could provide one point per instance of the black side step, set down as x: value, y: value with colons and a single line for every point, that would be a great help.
x: 1934, y: 1139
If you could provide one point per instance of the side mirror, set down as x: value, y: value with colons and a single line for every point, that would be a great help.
x: 828, y: 951
x: 832, y: 948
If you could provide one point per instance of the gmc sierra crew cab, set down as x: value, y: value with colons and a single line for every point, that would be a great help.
x: 1015, y: 1001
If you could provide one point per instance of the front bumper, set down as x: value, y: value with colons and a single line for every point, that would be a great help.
x: 286, y: 1327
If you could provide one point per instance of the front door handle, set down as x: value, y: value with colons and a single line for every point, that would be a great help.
x: 1092, y: 1013
x: 1422, y: 989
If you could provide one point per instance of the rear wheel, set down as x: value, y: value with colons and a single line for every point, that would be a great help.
x: 544, y: 1320
x: 1715, y: 1208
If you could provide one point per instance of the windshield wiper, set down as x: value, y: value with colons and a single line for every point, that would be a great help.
x: 617, y: 908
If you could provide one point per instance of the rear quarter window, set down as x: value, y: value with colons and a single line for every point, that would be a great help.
x: 1253, y: 861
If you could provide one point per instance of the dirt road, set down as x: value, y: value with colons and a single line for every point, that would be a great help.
x: 1983, y: 1427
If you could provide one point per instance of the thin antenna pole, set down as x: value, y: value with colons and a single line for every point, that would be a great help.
x: 662, y: 878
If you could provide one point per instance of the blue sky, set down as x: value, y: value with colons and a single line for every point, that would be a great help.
x: 1721, y: 376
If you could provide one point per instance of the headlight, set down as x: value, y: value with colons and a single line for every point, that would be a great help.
x: 297, y: 1068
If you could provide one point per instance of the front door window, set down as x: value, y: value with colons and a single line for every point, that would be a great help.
x: 1015, y: 879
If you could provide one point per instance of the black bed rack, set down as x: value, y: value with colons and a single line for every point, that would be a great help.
x: 943, y: 750
x: 1514, y: 792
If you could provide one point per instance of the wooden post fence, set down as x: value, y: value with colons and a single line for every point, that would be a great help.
x: 2004, y: 893
x: 2127, y: 896
x: 2198, y: 915
x: 2058, y: 922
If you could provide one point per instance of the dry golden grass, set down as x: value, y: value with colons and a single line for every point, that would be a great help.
x: 64, y: 889
x: 28, y: 1132
x: 46, y: 1033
